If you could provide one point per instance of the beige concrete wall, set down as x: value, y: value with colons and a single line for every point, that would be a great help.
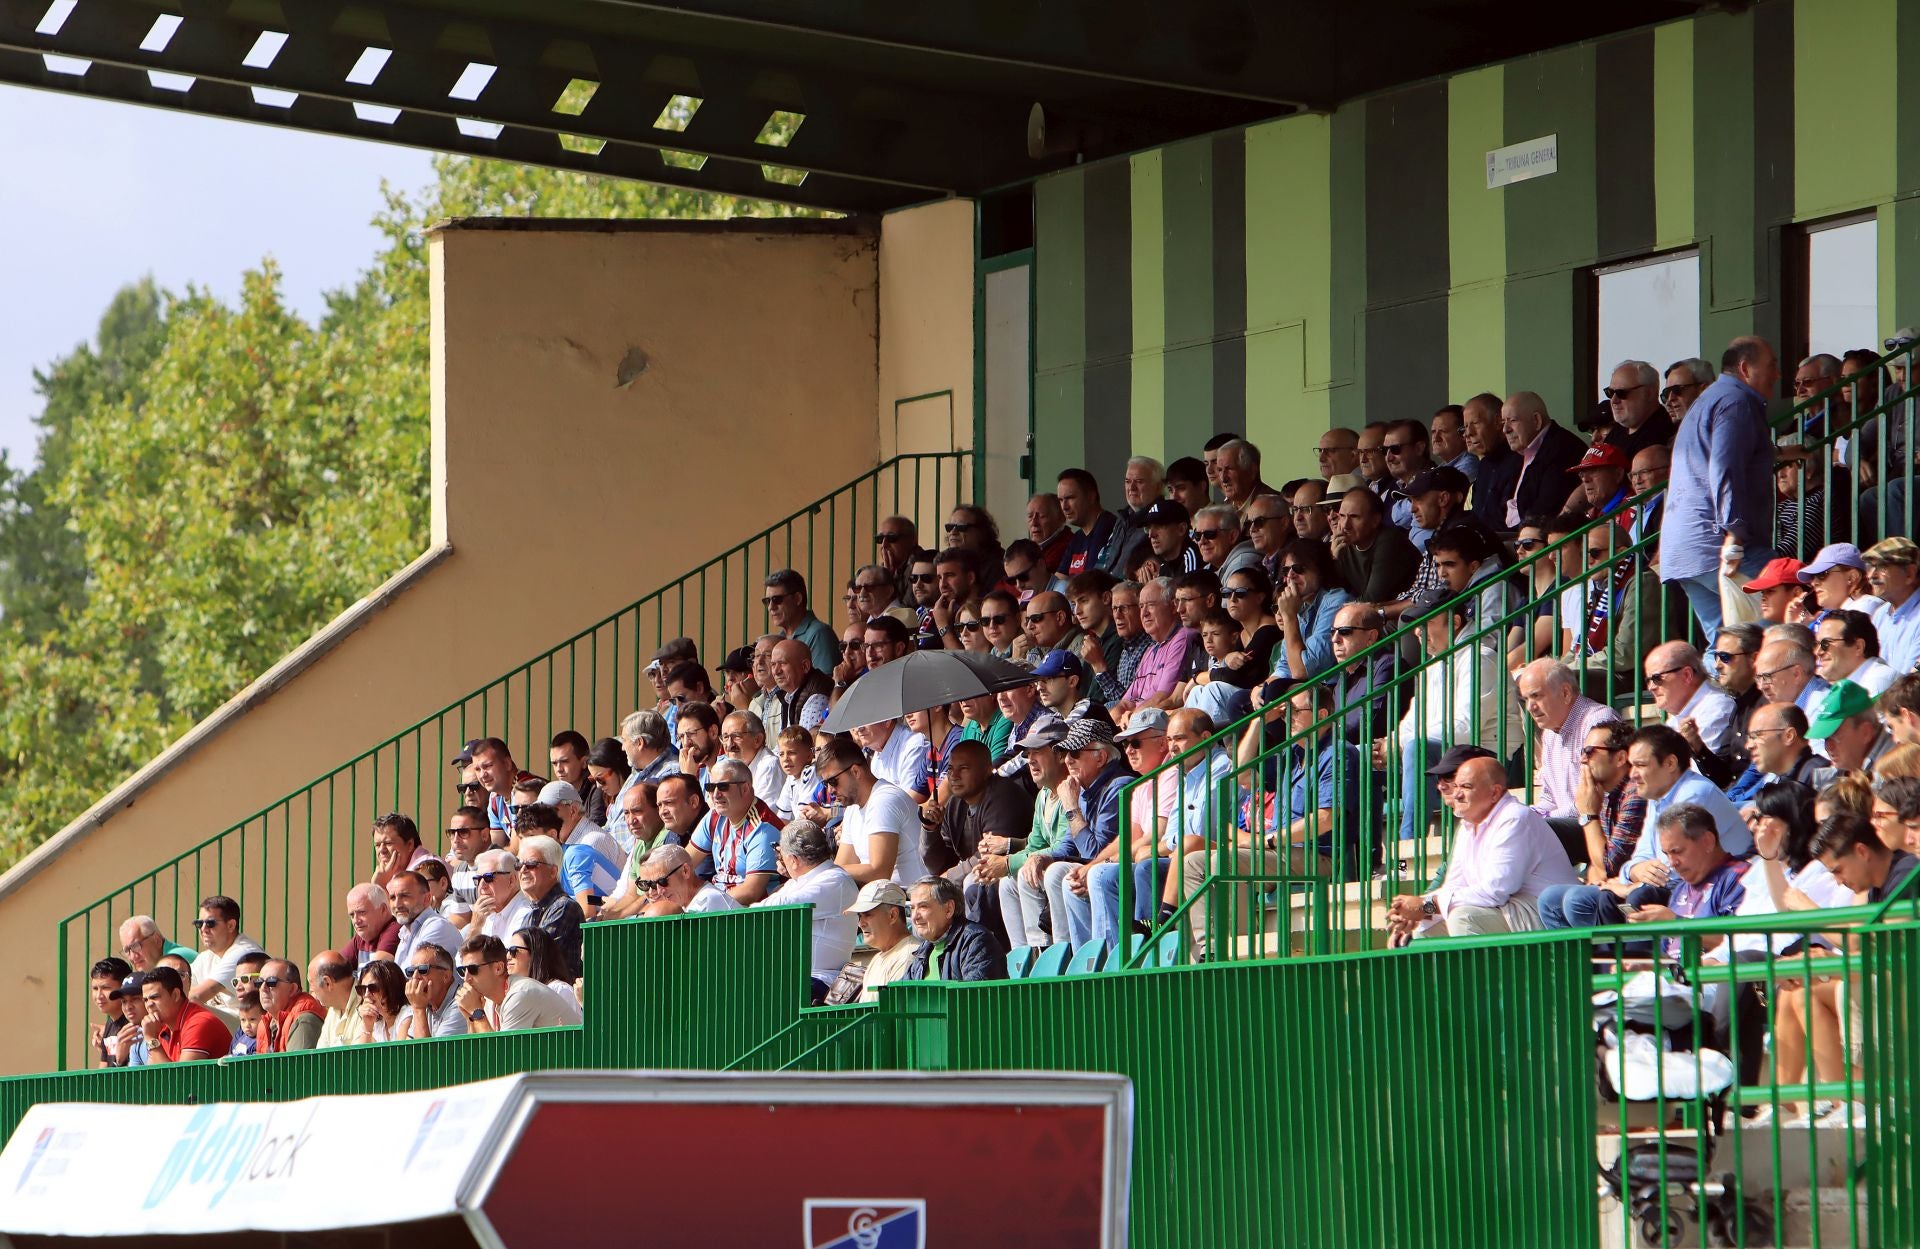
x: 568, y: 481
x: 926, y: 328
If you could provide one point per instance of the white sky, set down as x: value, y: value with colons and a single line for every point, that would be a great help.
x: 95, y: 194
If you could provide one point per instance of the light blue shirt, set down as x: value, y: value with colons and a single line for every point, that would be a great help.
x: 428, y: 928
x: 1900, y: 633
x: 1203, y: 791
x: 584, y: 868
x: 1697, y: 789
x: 1721, y: 482
x: 1316, y: 634
x: 1468, y: 463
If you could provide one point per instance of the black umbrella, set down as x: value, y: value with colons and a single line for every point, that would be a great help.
x: 921, y: 680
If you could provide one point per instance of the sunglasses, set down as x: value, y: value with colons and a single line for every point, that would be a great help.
x: 469, y: 787
x: 960, y: 526
x: 366, y: 986
x: 872, y: 585
x: 1588, y: 752
x: 773, y: 599
x: 1658, y: 678
x: 1293, y: 570
x: 1600, y: 553
x: 1347, y: 631
x: 468, y: 970
x: 1727, y: 657
x: 1619, y: 392
x: 831, y: 782
x: 246, y: 977
x: 420, y: 970
x: 515, y: 808
x: 1822, y: 645
x: 1205, y: 535
x: 1393, y: 448
x: 1023, y: 576
x: 1236, y: 593
x: 522, y: 949
x: 1527, y: 544
x: 528, y: 867
x: 454, y: 832
x: 206, y: 923
x: 997, y: 619
x: 273, y: 982
x: 1667, y: 393
x: 970, y: 626
x: 716, y: 787
x: 485, y: 878
x: 922, y: 578
x: 883, y: 539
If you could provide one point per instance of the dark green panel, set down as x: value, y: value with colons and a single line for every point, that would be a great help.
x: 1348, y: 298
x: 1186, y: 200
x: 1905, y: 241
x: 1548, y: 331
x: 1059, y: 323
x: 1773, y: 156
x: 1406, y: 203
x: 1723, y: 142
x: 1406, y: 359
x: 1230, y: 282
x: 1623, y: 146
x: 1109, y: 319
x: 1552, y: 221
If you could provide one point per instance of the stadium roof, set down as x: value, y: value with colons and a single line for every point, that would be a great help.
x: 895, y: 101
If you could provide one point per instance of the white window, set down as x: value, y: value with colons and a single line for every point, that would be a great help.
x: 1649, y: 310
x: 1842, y: 273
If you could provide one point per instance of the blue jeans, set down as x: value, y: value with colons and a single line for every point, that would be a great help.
x: 1415, y: 784
x: 1590, y: 906
x: 1703, y: 592
x: 1103, y: 893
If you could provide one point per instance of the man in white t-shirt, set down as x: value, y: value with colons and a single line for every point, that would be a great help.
x: 494, y: 1000
x: 898, y: 755
x: 806, y: 856
x: 668, y: 878
x: 880, y: 828
x: 743, y: 736
x: 499, y: 908
x: 222, y: 945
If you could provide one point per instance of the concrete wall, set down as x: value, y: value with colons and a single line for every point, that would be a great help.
x: 926, y: 328
x: 613, y: 404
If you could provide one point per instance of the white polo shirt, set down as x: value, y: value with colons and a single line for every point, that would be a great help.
x: 888, y: 809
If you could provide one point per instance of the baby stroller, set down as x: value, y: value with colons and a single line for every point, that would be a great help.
x: 1649, y: 1050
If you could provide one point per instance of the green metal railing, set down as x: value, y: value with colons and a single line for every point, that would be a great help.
x: 290, y: 864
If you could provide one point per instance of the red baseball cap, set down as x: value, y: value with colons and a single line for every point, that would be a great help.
x: 1601, y: 455
x: 1778, y: 572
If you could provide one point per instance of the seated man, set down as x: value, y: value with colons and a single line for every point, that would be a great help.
x: 881, y: 911
x: 1849, y: 730
x: 1677, y: 679
x: 980, y: 806
x: 495, y: 1000
x: 499, y: 908
x: 1313, y: 796
x: 1091, y: 795
x: 143, y: 944
x: 899, y: 755
x: 1777, y: 738
x: 668, y: 879
x: 331, y: 976
x: 1563, y: 718
x: 1091, y: 916
x: 813, y: 878
x: 176, y: 1028
x: 733, y: 846
x: 433, y: 1008
x: 552, y: 910
x: 952, y: 947
x: 1846, y: 647
x: 291, y: 1016
x: 1784, y: 673
x: 1608, y: 802
x: 420, y: 925
x: 1847, y: 845
x: 1023, y: 903
x: 879, y: 822
x: 1503, y: 857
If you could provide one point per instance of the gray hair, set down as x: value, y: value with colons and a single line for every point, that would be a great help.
x: 647, y: 727
x: 1682, y: 655
x: 143, y: 927
x: 1130, y: 587
x: 1828, y: 364
x: 1221, y: 513
x: 751, y: 722
x: 1243, y: 452
x: 496, y: 861
x: 374, y: 894
x: 943, y: 890
x: 668, y: 858
x: 1642, y: 371
x: 1553, y: 674
x: 1689, y: 819
x: 1164, y: 584
x: 1792, y: 634
x: 1154, y: 468
x: 1749, y: 634
x: 806, y: 841
x: 726, y: 769
x: 1701, y: 372
x: 546, y: 848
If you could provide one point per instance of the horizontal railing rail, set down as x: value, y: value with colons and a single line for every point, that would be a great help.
x: 290, y: 863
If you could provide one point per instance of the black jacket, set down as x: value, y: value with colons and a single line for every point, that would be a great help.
x: 971, y: 954
x: 1494, y: 486
x: 1544, y: 486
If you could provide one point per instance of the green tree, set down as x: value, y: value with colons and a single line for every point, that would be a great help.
x: 216, y: 482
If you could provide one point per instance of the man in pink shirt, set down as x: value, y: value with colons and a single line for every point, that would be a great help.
x: 1160, y: 665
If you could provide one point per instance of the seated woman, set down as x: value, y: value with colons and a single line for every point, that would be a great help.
x: 382, y: 989
x: 1250, y: 638
x: 1311, y: 595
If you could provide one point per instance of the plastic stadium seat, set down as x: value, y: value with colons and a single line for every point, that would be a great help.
x: 1169, y: 951
x: 1051, y: 961
x: 1019, y: 962
x: 1089, y: 958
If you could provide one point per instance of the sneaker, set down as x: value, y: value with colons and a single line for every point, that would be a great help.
x: 1849, y: 1115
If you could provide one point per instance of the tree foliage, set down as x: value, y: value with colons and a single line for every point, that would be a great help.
x: 217, y: 481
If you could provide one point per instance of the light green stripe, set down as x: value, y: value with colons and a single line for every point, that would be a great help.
x: 1149, y: 406
x: 1673, y: 172
x: 1060, y: 329
x: 1843, y: 88
x: 1477, y: 236
x: 1289, y: 291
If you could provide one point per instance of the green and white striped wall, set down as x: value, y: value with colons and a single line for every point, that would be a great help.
x: 1333, y: 269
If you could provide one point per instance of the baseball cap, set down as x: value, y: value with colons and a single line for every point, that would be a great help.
x: 1834, y: 555
x: 1166, y: 512
x: 465, y: 756
x: 554, y: 793
x: 1048, y: 730
x: 1426, y: 600
x: 1455, y: 757
x: 877, y: 893
x: 739, y: 659
x: 1444, y: 477
x: 1144, y: 721
x: 1892, y: 551
x: 1059, y: 663
x: 1778, y: 572
x: 130, y: 987
x: 1337, y: 485
x: 1086, y: 731
x: 1905, y: 336
x: 1844, y: 701
x: 680, y: 650
x: 1601, y: 455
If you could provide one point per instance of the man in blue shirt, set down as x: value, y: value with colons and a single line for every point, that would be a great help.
x: 1091, y: 794
x: 1722, y: 479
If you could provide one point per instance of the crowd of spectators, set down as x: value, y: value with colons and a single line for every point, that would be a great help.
x: 1659, y: 548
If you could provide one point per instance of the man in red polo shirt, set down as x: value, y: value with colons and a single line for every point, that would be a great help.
x: 179, y: 1030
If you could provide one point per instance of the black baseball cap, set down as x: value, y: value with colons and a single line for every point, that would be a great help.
x: 1455, y: 758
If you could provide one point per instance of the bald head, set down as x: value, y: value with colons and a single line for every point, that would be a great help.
x: 792, y: 664
x: 1477, y: 788
x: 1522, y: 417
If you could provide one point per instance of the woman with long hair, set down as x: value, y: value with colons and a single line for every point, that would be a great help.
x: 1312, y: 591
x: 534, y: 953
x: 382, y: 990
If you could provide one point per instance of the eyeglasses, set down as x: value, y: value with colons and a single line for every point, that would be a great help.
x: 1588, y: 752
x: 421, y: 970
x: 273, y: 982
x: 206, y: 923
x: 922, y: 578
x: 970, y: 626
x: 468, y: 970
x: 883, y: 539
x: 1822, y: 645
x: 773, y: 599
x: 1293, y: 570
x: 1252, y: 521
x: 1752, y: 733
x: 1021, y: 577
x: 1347, y: 631
x: 1298, y: 509
x: 1393, y: 448
x: 1600, y: 553
x: 528, y: 867
x: 1527, y: 544
x: 485, y: 878
x: 1620, y: 392
x: 1771, y: 673
x: 366, y: 986
x: 1035, y: 617
x: 715, y: 787
x: 1657, y: 678
x: 1204, y: 535
x: 1727, y: 657
x: 521, y: 949
x: 1236, y: 593
x: 455, y: 832
x: 997, y: 619
x: 1667, y: 394
x: 872, y: 585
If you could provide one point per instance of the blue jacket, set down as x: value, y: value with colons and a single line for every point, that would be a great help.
x: 1722, y: 481
x: 971, y: 954
x: 1100, y: 807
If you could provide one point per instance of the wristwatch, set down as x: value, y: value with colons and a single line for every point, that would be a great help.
x: 1429, y: 907
x: 478, y: 1015
x: 1588, y: 817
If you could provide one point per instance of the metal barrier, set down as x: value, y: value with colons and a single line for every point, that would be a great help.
x: 290, y: 863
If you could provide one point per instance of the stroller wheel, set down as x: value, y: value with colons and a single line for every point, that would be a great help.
x: 1654, y: 1233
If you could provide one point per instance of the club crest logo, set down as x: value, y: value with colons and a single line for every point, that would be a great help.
x: 866, y: 1223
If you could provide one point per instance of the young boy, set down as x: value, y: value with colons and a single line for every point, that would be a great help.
x: 794, y: 748
x: 248, y: 1038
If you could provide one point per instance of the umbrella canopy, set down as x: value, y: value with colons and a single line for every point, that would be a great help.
x: 921, y: 680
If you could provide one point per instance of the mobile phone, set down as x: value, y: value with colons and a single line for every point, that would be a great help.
x: 595, y: 899
x: 1629, y: 907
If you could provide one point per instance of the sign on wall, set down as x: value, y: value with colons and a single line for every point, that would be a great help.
x: 1517, y: 162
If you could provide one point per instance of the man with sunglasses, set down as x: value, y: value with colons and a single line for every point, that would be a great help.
x: 224, y: 944
x: 433, y: 1008
x: 1684, y: 382
x: 1735, y: 649
x: 1223, y: 549
x: 1640, y: 418
x: 493, y: 999
x: 1677, y: 679
x: 785, y: 598
x: 498, y: 906
x: 558, y: 915
x: 292, y: 1017
x: 1169, y: 527
x: 1409, y: 454
x: 1000, y: 612
x: 733, y: 844
x: 668, y: 881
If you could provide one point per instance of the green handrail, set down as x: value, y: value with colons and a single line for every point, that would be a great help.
x: 288, y: 863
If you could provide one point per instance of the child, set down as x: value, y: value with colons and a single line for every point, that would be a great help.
x: 250, y: 1014
x: 794, y: 747
x: 1220, y: 637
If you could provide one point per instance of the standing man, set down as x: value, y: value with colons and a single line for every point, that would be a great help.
x: 1720, y: 493
x: 786, y: 602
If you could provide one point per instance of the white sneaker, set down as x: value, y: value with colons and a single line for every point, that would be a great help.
x: 1850, y: 1115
